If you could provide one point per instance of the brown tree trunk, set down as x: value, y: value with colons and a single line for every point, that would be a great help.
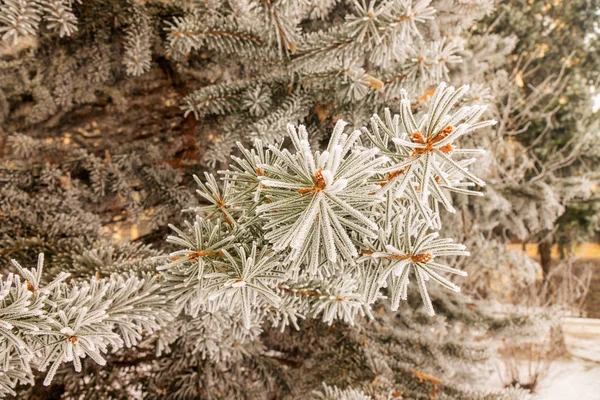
x: 545, y: 252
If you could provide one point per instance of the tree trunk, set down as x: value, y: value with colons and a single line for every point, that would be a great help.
x: 545, y: 252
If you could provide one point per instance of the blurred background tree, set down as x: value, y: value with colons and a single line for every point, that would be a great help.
x: 559, y: 39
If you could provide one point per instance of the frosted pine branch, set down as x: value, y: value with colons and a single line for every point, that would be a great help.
x: 348, y: 225
x: 43, y: 326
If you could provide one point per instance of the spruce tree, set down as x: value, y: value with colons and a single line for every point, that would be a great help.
x: 336, y: 165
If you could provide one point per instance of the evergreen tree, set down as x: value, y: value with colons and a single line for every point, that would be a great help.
x: 559, y: 45
x: 288, y: 237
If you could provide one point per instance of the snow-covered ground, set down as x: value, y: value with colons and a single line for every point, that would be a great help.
x: 573, y: 379
x: 577, y: 377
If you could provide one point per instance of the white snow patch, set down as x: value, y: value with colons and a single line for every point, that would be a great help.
x: 570, y: 379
